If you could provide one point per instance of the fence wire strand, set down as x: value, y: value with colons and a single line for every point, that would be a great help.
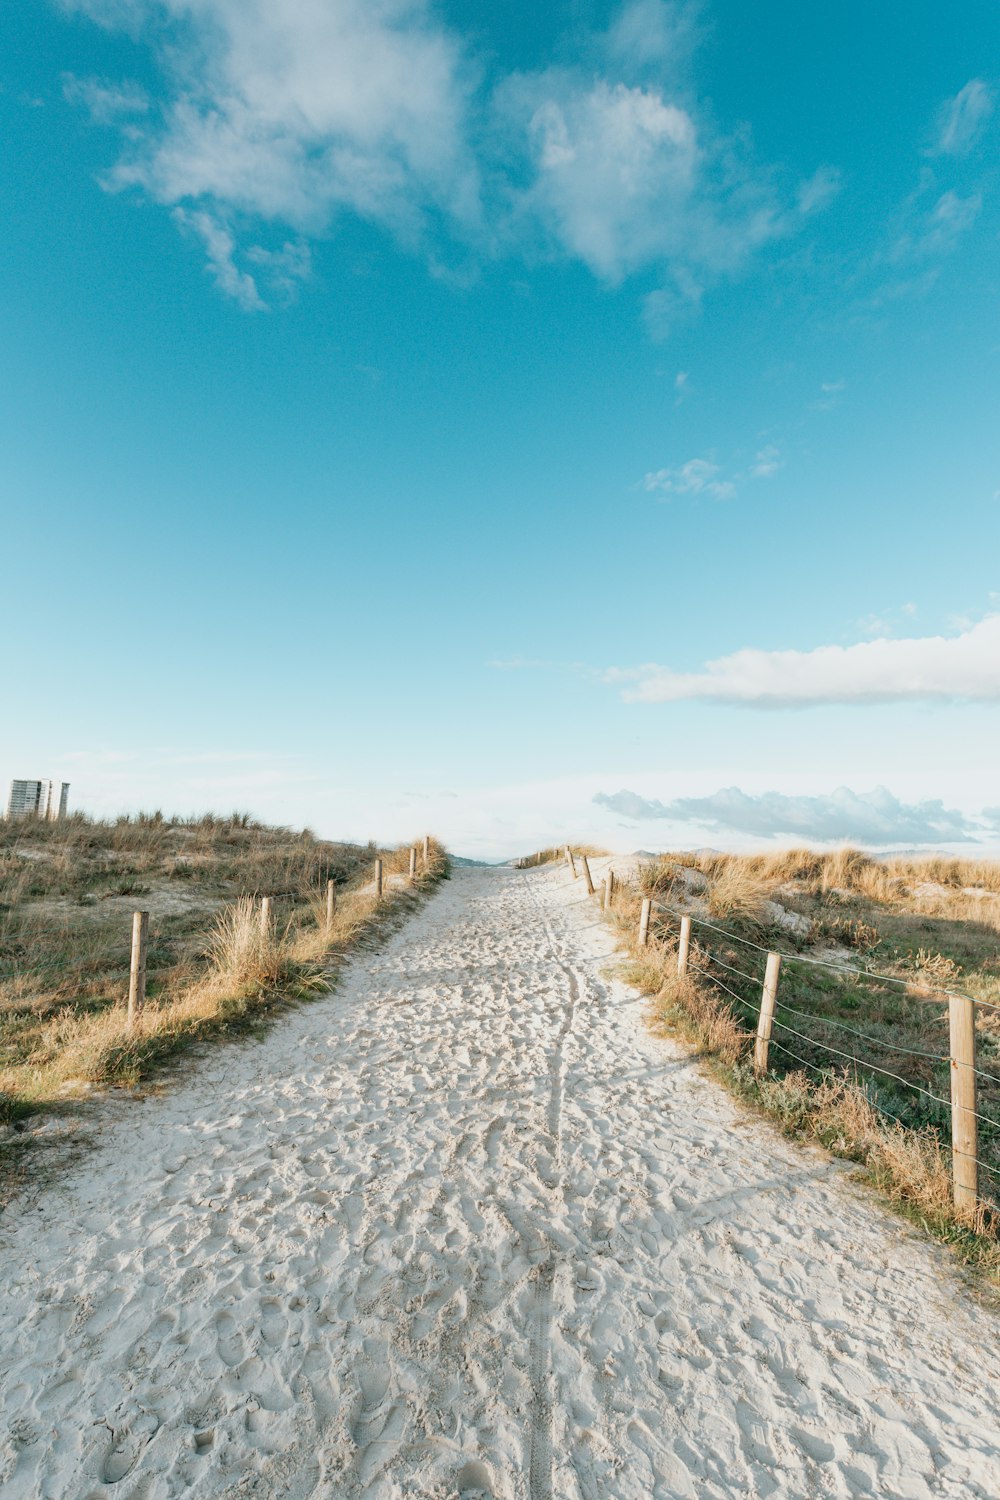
x: 825, y: 963
x: 863, y: 1035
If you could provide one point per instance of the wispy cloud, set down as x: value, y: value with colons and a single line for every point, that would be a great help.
x: 702, y: 476
x: 947, y: 668
x: 875, y: 817
x: 697, y: 477
x: 936, y: 231
x: 105, y: 102
x: 830, y: 393
x: 220, y: 247
x: 767, y: 462
x: 961, y: 120
x: 888, y: 621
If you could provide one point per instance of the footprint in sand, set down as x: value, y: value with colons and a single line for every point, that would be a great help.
x: 121, y: 1459
x: 377, y: 1428
x: 474, y: 1481
x: 231, y: 1347
x: 204, y: 1441
x: 273, y: 1325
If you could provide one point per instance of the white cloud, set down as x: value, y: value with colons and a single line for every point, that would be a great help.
x: 220, y: 247
x: 961, y: 120
x: 615, y: 169
x: 951, y: 217
x: 286, y: 266
x: 767, y: 462
x: 701, y: 476
x: 818, y: 190
x: 293, y: 112
x: 935, y: 232
x: 652, y: 33
x: 668, y: 306
x: 887, y: 621
x: 696, y: 477
x: 829, y: 397
x: 875, y: 817
x: 105, y: 102
x: 965, y: 666
x: 625, y: 175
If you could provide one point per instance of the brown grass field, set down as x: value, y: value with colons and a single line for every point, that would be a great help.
x: 859, y: 1061
x: 67, y: 892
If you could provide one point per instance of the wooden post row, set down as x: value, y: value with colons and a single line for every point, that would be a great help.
x: 331, y: 901
x: 265, y: 916
x: 765, y: 1022
x: 587, y: 875
x: 137, y: 966
x: 964, y: 1136
x: 683, y: 946
x: 378, y: 880
x: 644, y: 922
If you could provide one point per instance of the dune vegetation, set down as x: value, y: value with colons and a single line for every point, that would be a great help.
x: 67, y: 892
x: 859, y: 1057
x: 557, y: 852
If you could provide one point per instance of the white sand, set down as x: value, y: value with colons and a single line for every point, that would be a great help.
x: 464, y: 1228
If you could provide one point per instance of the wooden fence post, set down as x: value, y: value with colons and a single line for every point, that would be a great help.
x: 427, y: 850
x: 587, y: 875
x: 607, y: 891
x: 570, y: 860
x: 378, y: 880
x: 683, y: 946
x: 265, y: 917
x: 413, y: 862
x: 644, y: 922
x: 137, y: 967
x: 766, y: 1019
x: 331, y: 902
x: 964, y: 1136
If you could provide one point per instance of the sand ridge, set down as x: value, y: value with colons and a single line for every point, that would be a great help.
x: 464, y: 1228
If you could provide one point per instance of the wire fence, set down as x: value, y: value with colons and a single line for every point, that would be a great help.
x: 955, y: 1103
x: 91, y: 957
x: 944, y: 1095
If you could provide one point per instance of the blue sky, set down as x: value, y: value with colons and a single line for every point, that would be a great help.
x: 440, y: 416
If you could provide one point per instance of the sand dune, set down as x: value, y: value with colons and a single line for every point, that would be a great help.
x: 463, y: 1228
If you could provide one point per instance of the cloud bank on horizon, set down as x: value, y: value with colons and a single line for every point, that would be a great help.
x: 873, y: 818
x: 943, y: 668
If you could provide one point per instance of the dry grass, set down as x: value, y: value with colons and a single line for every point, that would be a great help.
x: 736, y: 894
x: 212, y: 971
x: 835, y: 1103
x: 556, y: 853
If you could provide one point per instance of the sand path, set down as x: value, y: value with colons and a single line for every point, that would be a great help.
x: 463, y: 1228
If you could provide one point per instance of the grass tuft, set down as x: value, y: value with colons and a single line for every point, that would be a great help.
x: 876, y: 914
x: 212, y: 971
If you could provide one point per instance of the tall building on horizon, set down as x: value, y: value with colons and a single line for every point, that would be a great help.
x: 40, y: 799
